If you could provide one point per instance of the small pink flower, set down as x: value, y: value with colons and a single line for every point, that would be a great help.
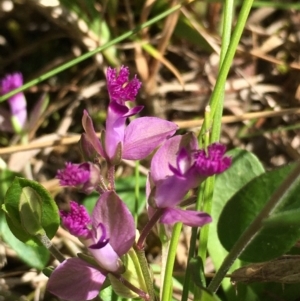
x: 177, y: 167
x: 16, y: 102
x: 108, y: 234
x: 132, y: 142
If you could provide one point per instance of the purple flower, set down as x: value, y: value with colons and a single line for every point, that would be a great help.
x: 108, y: 234
x: 140, y: 137
x: 85, y: 176
x: 17, y: 102
x: 177, y: 167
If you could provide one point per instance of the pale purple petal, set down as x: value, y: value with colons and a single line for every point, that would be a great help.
x: 115, y: 126
x: 106, y: 257
x: 170, y: 191
x: 167, y: 155
x: 184, y: 163
x: 88, y: 126
x: 187, y: 217
x: 18, y: 108
x: 16, y: 102
x: 75, y: 280
x: 118, y: 221
x: 144, y: 134
x: 87, y: 149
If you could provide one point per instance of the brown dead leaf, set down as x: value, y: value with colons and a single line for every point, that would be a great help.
x: 285, y: 269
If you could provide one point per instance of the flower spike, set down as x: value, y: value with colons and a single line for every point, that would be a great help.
x: 17, y: 102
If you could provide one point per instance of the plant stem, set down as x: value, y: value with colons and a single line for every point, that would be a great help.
x: 48, y: 244
x: 282, y: 191
x: 226, y: 36
x: 153, y: 220
x: 187, y: 276
x: 138, y: 291
x: 145, y: 270
x: 167, y: 285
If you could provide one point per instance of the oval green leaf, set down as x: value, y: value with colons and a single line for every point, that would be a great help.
x: 34, y: 256
x: 275, y: 236
x: 49, y: 212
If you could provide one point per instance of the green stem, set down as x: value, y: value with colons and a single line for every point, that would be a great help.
x: 91, y: 53
x: 228, y: 50
x: 48, y: 244
x: 145, y: 270
x: 167, y: 285
x: 138, y: 291
x: 193, y: 240
x: 153, y: 220
x: 221, y: 80
x: 282, y: 191
x: 226, y: 36
x: 187, y: 276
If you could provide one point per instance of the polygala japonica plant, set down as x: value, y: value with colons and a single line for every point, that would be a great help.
x: 115, y: 253
x: 177, y: 167
x: 238, y: 212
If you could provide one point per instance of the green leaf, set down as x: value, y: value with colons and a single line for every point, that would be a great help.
x: 275, y: 237
x: 284, y: 219
x: 30, y: 208
x: 6, y: 178
x: 34, y: 256
x: 49, y: 216
x: 206, y: 295
x: 245, y: 166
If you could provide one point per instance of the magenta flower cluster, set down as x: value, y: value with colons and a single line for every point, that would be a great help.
x: 109, y: 233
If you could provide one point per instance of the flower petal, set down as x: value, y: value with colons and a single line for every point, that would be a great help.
x: 144, y: 134
x: 188, y: 217
x: 168, y: 153
x: 88, y: 126
x: 75, y: 280
x: 118, y: 221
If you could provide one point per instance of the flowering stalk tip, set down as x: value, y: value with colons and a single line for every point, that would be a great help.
x: 17, y: 102
x: 119, y: 141
x: 85, y: 176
